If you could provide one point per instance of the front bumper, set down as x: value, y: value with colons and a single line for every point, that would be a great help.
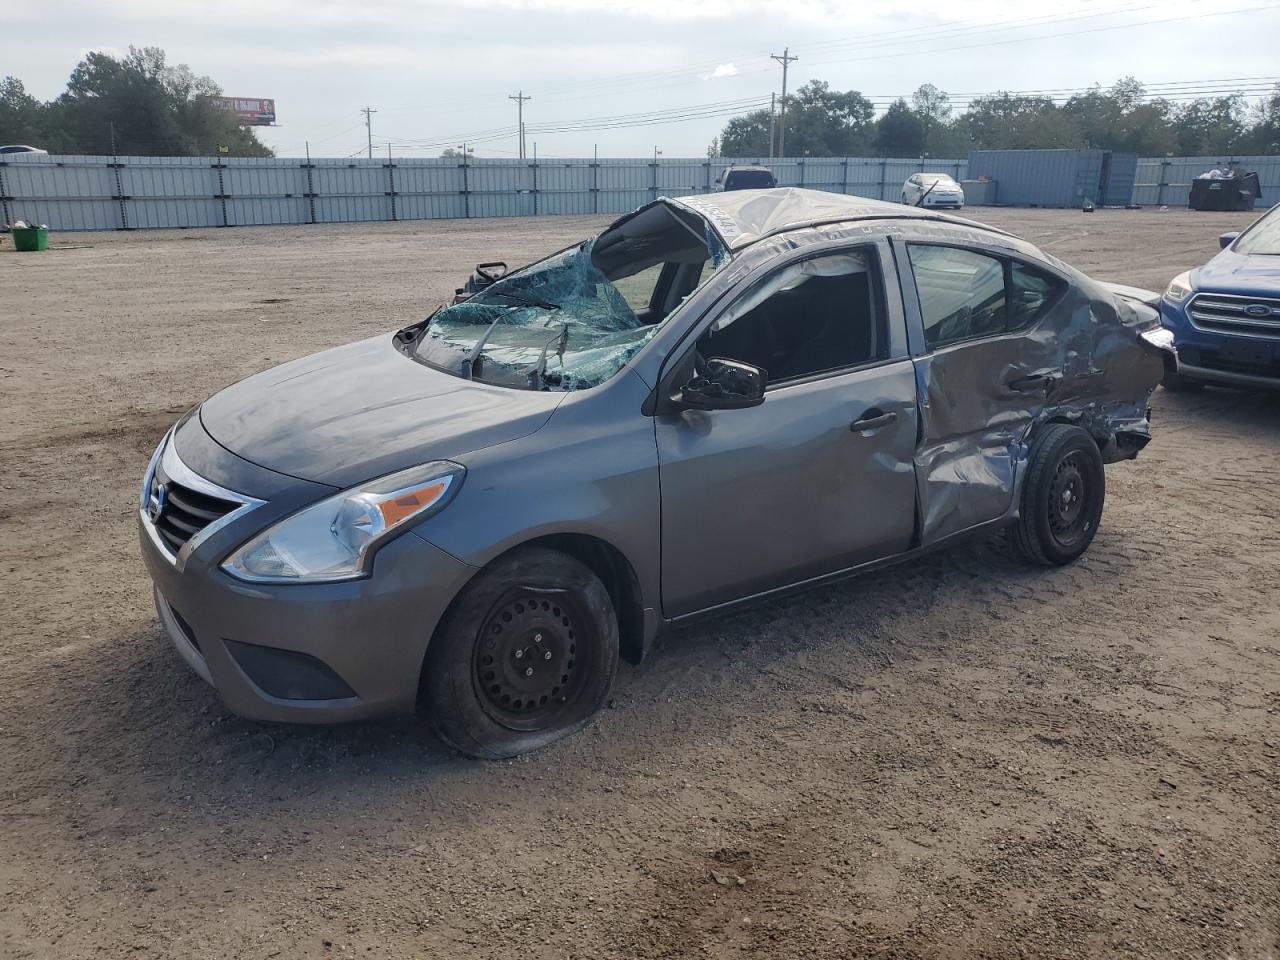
x: 1227, y: 359
x: 1227, y: 377
x: 949, y: 201
x: 309, y: 653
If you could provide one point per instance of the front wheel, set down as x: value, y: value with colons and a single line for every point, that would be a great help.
x: 1062, y: 496
x: 526, y: 656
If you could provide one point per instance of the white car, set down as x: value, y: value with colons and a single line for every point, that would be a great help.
x: 932, y: 190
x: 22, y: 148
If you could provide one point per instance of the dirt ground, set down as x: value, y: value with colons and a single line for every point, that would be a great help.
x: 960, y: 758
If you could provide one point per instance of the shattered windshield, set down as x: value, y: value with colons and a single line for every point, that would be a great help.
x: 573, y: 320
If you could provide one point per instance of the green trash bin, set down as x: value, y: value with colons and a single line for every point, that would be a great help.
x: 30, y: 239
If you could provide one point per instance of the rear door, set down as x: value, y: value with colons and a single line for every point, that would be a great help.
x: 987, y: 366
x: 817, y: 478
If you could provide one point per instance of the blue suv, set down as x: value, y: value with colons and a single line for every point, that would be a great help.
x: 1225, y: 316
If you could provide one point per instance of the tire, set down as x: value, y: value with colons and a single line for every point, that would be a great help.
x: 484, y: 688
x: 1062, y: 496
x: 1180, y: 384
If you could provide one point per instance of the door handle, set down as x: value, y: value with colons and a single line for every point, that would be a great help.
x: 1040, y: 382
x: 873, y: 420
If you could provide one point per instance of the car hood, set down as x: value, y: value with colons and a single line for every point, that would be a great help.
x: 364, y: 410
x: 1231, y: 272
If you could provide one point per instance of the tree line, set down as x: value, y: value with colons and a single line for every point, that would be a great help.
x: 136, y: 104
x: 822, y: 122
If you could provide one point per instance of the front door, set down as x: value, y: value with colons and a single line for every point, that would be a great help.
x: 817, y: 478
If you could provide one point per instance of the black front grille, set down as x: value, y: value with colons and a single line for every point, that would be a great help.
x: 184, y: 512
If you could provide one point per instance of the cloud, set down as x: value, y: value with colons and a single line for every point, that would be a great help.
x: 723, y: 70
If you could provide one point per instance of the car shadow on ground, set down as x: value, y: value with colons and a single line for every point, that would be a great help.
x: 156, y: 739
x: 1247, y: 408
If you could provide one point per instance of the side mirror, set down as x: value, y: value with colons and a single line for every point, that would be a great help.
x: 1227, y: 239
x: 724, y: 385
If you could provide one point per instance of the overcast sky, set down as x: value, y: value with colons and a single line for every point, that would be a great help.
x: 438, y: 71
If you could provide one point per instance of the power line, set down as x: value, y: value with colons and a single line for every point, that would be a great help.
x: 930, y: 36
x: 909, y: 36
x: 1053, y: 36
x: 644, y: 118
x: 1173, y: 91
x: 928, y: 32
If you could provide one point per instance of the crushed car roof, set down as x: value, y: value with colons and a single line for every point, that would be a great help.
x: 743, y: 217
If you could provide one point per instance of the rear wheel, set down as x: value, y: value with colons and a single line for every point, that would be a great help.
x: 526, y: 656
x: 1062, y: 496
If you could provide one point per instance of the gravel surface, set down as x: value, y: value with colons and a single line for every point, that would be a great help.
x: 963, y: 757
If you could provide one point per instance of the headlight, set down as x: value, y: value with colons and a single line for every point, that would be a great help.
x: 1179, y: 288
x: 335, y: 538
x: 144, y: 495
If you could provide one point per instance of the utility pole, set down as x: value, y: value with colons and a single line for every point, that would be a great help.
x: 520, y: 98
x: 368, y: 125
x: 771, y: 106
x: 785, y: 60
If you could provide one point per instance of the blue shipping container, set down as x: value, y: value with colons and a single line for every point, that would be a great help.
x: 1056, y: 178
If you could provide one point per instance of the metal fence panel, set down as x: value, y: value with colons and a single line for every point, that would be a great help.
x: 69, y: 214
x: 625, y: 175
x: 432, y: 206
x: 681, y: 178
x: 148, y: 212
x: 80, y: 192
x: 101, y: 193
x: 622, y: 201
x: 263, y: 211
x: 824, y: 173
x: 567, y: 187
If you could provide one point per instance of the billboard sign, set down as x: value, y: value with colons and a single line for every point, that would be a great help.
x: 252, y: 111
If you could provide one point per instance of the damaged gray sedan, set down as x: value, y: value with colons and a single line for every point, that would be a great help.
x: 716, y: 400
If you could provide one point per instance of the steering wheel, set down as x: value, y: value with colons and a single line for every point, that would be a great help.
x: 493, y: 271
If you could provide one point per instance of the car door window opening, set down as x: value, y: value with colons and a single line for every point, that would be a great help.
x: 573, y: 320
x: 1031, y: 293
x: 811, y: 317
x: 966, y: 295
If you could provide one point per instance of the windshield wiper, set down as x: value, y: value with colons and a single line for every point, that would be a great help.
x: 523, y: 297
x: 467, y: 367
x: 539, y: 369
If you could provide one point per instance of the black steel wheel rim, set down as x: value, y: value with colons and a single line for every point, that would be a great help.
x: 531, y: 663
x: 1071, y: 497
